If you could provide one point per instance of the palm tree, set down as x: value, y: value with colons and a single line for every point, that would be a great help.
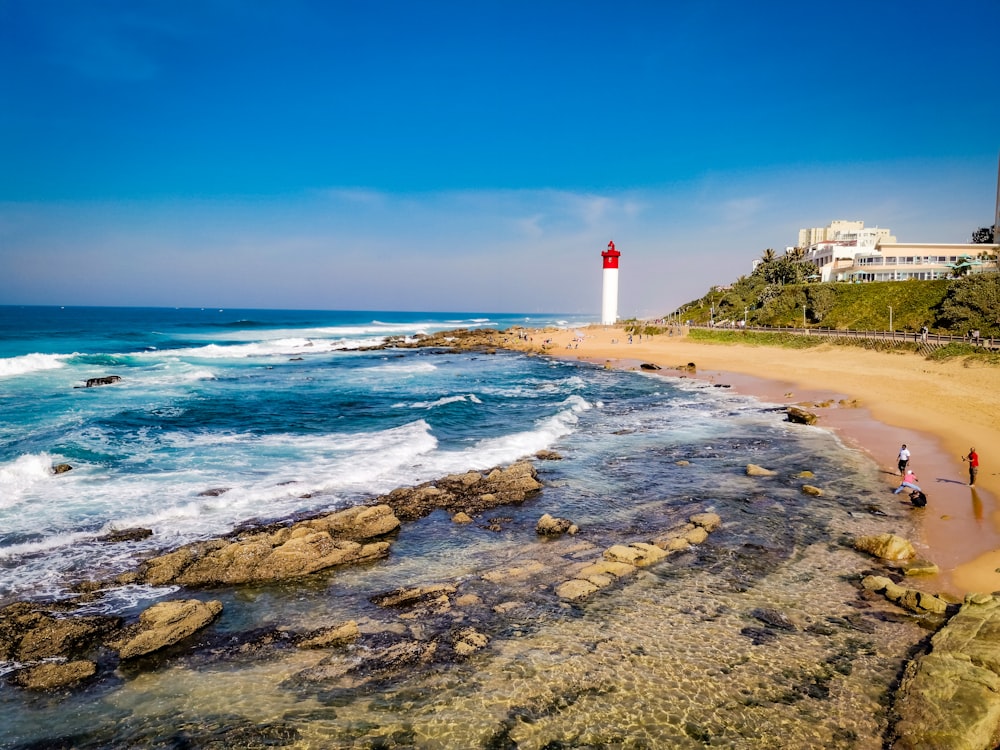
x: 768, y: 255
x: 797, y: 254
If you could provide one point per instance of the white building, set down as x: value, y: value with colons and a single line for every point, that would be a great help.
x: 847, y: 251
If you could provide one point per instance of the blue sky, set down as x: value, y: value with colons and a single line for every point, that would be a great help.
x: 473, y: 155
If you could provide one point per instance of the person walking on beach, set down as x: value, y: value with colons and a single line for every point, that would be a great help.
x: 904, y: 459
x: 973, y: 459
x: 909, y: 482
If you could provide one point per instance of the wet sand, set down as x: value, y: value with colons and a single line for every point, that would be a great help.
x: 877, y: 402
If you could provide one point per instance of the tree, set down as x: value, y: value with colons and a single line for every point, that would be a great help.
x: 984, y: 235
x: 784, y: 270
x: 768, y: 255
x: 973, y: 302
x: 797, y: 254
x: 821, y: 298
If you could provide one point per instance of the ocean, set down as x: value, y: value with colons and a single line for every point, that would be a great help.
x: 220, y: 417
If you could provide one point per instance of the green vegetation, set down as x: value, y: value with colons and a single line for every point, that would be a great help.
x: 798, y: 341
x: 755, y: 338
x: 778, y: 293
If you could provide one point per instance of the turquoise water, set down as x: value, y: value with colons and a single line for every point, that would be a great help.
x: 288, y: 412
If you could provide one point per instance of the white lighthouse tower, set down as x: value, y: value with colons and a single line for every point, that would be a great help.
x: 609, y: 302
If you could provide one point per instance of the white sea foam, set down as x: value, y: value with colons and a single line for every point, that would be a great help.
x: 400, y: 368
x: 45, y: 545
x: 470, y: 397
x: 504, y: 449
x: 27, y: 363
x: 269, y: 348
x: 19, y: 475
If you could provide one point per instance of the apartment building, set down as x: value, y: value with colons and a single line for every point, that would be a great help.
x: 848, y: 251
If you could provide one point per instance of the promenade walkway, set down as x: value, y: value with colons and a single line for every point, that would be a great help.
x: 927, y: 342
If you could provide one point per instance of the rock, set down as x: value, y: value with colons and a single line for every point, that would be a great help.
x: 106, y: 380
x: 808, y: 489
x: 164, y: 624
x: 336, y: 635
x: 358, y: 523
x: 605, y: 569
x: 277, y: 554
x: 461, y: 517
x: 125, y: 535
x: 753, y: 470
x: 649, y: 366
x: 55, y: 675
x: 708, y: 521
x: 674, y: 544
x: 549, y: 526
x: 800, y: 416
x: 545, y: 455
x: 774, y: 618
x: 683, y: 462
x: 885, y: 546
x: 920, y: 567
x: 805, y: 475
x: 468, y: 641
x: 639, y: 554
x: 28, y: 633
x: 575, y: 589
x: 213, y: 492
x: 471, y: 492
x: 949, y: 699
x: 516, y: 572
x: 409, y: 597
x: 61, y: 468
x: 911, y: 599
x: 696, y: 535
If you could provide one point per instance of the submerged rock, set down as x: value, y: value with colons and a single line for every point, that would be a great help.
x: 911, y: 599
x: 335, y: 635
x: 753, y: 470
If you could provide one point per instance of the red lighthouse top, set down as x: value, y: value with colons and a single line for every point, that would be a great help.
x: 610, y: 256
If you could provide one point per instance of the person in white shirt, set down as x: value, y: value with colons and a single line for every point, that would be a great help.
x: 904, y: 459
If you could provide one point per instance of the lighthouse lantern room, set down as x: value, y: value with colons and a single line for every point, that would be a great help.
x: 609, y: 304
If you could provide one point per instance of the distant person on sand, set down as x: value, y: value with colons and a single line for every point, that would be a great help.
x: 909, y: 482
x: 973, y: 459
x: 904, y: 459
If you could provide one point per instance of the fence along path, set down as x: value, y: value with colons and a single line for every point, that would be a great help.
x: 926, y: 343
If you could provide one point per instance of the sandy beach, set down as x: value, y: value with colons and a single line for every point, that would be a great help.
x: 874, y: 401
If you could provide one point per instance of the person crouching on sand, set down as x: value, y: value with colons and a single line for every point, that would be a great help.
x: 909, y: 482
x: 918, y: 498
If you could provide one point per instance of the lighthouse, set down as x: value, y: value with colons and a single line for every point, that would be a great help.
x: 609, y: 302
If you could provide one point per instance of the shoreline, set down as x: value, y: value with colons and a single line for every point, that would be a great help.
x: 939, y: 409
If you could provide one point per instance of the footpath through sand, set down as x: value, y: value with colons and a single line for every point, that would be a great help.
x: 939, y: 409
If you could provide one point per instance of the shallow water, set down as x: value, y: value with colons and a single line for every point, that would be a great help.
x: 676, y: 656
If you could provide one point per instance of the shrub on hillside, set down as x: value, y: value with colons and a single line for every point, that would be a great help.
x: 972, y: 303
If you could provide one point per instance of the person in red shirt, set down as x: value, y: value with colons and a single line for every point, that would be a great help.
x: 973, y: 459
